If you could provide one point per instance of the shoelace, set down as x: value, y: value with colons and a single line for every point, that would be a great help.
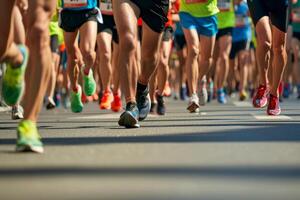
x: 273, y: 102
x: 261, y: 91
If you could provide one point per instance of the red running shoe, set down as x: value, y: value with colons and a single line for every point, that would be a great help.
x: 116, y: 104
x: 273, y: 107
x: 260, y: 99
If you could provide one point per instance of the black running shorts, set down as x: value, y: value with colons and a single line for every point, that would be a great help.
x: 154, y: 13
x: 168, y: 34
x: 296, y: 35
x: 109, y: 26
x: 224, y: 31
x: 54, y: 43
x: 71, y: 20
x: 179, y: 42
x: 237, y: 47
x: 277, y: 10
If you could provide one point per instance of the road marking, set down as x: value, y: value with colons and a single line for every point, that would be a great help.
x: 268, y: 117
x: 4, y: 109
x: 105, y: 116
x: 242, y: 104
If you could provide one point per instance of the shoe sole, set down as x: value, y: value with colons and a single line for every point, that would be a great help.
x: 127, y: 120
x: 193, y: 107
x: 29, y: 148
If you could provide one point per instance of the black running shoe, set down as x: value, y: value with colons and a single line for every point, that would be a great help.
x: 161, y: 108
x: 153, y: 106
x: 143, y: 101
x: 129, y: 118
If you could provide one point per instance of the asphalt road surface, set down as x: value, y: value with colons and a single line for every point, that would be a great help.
x: 226, y: 152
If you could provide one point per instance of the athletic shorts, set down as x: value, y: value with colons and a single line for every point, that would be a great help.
x: 154, y: 13
x: 179, y: 42
x: 71, y: 20
x: 296, y: 35
x: 237, y: 47
x: 167, y: 34
x: 206, y: 26
x: 224, y: 31
x: 109, y: 26
x: 277, y: 10
x: 54, y: 44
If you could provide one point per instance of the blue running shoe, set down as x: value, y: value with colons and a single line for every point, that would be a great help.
x: 143, y: 102
x: 129, y: 118
x: 221, y: 96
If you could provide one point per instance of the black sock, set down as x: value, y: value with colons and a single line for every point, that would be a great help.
x: 141, y: 87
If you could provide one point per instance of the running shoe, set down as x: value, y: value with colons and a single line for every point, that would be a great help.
x: 76, y: 103
x: 50, y: 104
x: 129, y: 118
x: 286, y: 90
x: 221, y: 96
x: 167, y: 90
x: 153, y: 106
x: 116, y: 104
x: 95, y: 97
x: 260, y: 99
x: 28, y: 138
x: 161, y: 107
x: 203, y: 96
x: 183, y: 93
x: 89, y: 83
x: 210, y: 91
x: 273, y: 106
x: 143, y: 102
x: 193, y: 103
x: 298, y: 90
x: 65, y: 100
x: 13, y: 80
x: 84, y: 98
x: 243, y: 95
x: 106, y: 100
x: 17, y: 112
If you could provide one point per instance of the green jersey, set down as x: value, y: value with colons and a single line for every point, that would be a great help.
x: 199, y: 8
x: 296, y: 16
x: 226, y: 17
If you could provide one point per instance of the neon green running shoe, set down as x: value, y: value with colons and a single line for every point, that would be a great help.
x: 89, y: 83
x: 29, y: 139
x: 76, y: 103
x: 13, y: 80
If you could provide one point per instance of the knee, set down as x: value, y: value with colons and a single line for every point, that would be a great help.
x: 224, y: 57
x: 193, y: 51
x: 88, y: 55
x: 127, y: 43
x: 266, y: 45
x: 39, y: 34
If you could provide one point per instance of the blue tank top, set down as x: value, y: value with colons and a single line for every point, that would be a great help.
x: 79, y: 4
x: 242, y: 29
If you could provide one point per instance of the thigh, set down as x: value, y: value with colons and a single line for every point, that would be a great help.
x: 278, y: 38
x: 225, y: 43
x: 150, y: 41
x: 125, y: 15
x: 71, y: 42
x: 192, y: 38
x: 88, y: 35
x: 207, y: 46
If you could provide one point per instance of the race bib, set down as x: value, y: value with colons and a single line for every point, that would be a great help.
x: 296, y: 16
x: 195, y: 1
x: 106, y: 7
x: 241, y: 20
x: 224, y: 5
x: 75, y: 3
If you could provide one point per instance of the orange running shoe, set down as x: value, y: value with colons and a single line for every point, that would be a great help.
x: 116, y: 105
x: 106, y: 100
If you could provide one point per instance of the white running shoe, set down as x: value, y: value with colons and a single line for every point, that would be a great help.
x: 193, y: 103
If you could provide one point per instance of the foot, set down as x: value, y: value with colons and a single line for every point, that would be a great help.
x: 153, y: 107
x: 116, y: 105
x: 129, y: 118
x: 89, y: 83
x: 221, y: 96
x: 193, y: 103
x: 273, y: 106
x: 28, y: 138
x: 17, y: 112
x: 106, y: 100
x: 76, y: 103
x: 243, y: 95
x: 143, y: 101
x: 50, y: 103
x: 13, y: 80
x: 161, y: 107
x: 260, y: 98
